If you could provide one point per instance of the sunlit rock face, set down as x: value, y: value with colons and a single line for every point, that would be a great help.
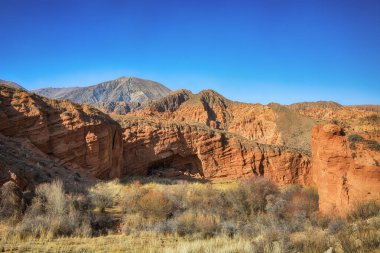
x: 73, y: 133
x: 345, y: 173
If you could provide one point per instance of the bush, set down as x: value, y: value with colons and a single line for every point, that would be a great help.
x: 365, y: 210
x: 204, y: 197
x: 336, y: 225
x: 12, y: 203
x: 258, y: 190
x: 156, y: 204
x: 373, y: 145
x: 189, y: 223
x: 101, y: 200
x: 251, y: 197
x: 131, y: 197
x: 314, y: 241
x: 52, y: 214
x: 353, y: 139
x: 301, y: 200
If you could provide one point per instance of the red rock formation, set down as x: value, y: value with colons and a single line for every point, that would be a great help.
x: 73, y: 133
x: 267, y: 124
x: 27, y: 166
x: 344, y: 177
x: 180, y: 150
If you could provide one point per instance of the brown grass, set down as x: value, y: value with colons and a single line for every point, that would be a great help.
x: 176, y: 216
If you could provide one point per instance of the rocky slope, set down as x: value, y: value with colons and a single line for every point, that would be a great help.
x: 364, y: 120
x: 55, y: 93
x: 27, y: 166
x: 11, y: 84
x: 328, y: 110
x: 120, y: 95
x: 346, y: 169
x: 267, y: 124
x: 73, y: 133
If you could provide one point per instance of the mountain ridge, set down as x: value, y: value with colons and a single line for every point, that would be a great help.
x: 121, y: 95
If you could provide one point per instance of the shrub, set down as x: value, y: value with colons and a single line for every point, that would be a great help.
x: 313, y: 241
x: 373, y: 145
x: 336, y: 225
x: 250, y: 197
x: 185, y: 223
x: 11, y: 202
x: 203, y: 197
x: 156, y: 204
x: 258, y: 190
x: 365, y: 210
x: 206, y: 225
x: 319, y: 220
x: 301, y: 200
x: 131, y: 197
x: 101, y: 200
x: 134, y: 223
x: 53, y: 213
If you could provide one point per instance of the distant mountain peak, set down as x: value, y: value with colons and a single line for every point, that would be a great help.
x: 125, y: 92
x: 11, y: 84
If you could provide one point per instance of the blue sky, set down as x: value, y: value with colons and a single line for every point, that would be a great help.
x: 253, y: 51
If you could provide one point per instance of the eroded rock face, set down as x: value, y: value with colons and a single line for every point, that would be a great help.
x: 24, y: 164
x: 268, y: 124
x: 344, y: 176
x: 180, y: 150
x: 73, y: 133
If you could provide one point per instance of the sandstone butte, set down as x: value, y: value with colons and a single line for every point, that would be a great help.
x: 346, y: 173
x: 187, y: 135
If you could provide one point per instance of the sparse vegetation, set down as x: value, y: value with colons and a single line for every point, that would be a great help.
x: 170, y: 216
x: 52, y: 214
x: 371, y: 144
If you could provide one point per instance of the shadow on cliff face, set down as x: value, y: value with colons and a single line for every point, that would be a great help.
x: 177, y: 167
x: 59, y: 129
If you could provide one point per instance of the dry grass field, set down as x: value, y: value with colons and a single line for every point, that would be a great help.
x: 160, y: 215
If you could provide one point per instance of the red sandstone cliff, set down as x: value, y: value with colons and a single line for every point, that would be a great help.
x: 73, y: 133
x: 182, y: 150
x: 266, y: 124
x: 344, y: 176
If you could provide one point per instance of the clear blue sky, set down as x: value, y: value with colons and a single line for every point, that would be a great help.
x: 253, y: 51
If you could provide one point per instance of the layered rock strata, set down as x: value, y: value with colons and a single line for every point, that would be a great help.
x: 182, y: 150
x: 73, y: 133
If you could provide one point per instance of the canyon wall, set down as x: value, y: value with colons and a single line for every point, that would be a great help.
x: 268, y: 124
x: 181, y: 151
x: 73, y: 133
x: 345, y: 172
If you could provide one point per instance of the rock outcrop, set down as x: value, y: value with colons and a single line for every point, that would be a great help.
x: 27, y: 166
x: 183, y: 151
x: 345, y: 172
x: 72, y: 133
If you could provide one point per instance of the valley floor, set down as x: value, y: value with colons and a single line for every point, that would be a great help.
x: 123, y: 243
x: 158, y: 215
